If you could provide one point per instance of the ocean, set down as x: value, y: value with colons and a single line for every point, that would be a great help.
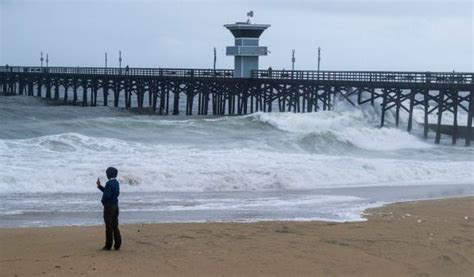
x: 328, y: 165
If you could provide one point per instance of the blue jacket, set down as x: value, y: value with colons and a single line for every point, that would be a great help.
x: 111, y: 191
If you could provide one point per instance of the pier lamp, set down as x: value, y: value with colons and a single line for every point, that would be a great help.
x: 293, y: 60
x: 215, y: 58
x: 41, y: 59
x: 319, y: 57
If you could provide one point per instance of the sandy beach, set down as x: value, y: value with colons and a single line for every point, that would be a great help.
x: 424, y: 238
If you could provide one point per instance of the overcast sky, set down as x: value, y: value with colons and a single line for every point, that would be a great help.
x: 353, y: 35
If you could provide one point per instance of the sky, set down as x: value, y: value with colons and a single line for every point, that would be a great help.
x: 415, y: 35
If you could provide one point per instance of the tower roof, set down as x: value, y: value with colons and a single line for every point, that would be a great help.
x: 247, y: 30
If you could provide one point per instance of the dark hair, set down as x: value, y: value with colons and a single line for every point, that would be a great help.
x: 111, y: 172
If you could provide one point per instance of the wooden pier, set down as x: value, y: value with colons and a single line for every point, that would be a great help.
x: 206, y: 91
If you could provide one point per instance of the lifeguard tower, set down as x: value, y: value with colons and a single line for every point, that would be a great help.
x: 246, y: 50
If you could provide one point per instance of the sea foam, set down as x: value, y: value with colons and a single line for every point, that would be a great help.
x: 262, y: 151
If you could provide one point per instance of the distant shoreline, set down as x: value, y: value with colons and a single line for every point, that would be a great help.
x: 431, y: 237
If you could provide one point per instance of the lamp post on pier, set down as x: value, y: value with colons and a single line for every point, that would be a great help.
x: 47, y: 60
x: 41, y: 59
x: 120, y: 59
x: 293, y: 60
x: 105, y: 59
x: 215, y: 58
x: 319, y: 57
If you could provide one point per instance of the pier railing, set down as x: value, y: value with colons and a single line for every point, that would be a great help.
x: 368, y: 76
x: 166, y: 72
x: 349, y: 76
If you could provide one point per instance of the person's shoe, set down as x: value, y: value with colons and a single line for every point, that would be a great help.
x: 105, y: 248
x: 117, y: 248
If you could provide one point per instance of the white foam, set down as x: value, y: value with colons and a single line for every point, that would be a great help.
x: 32, y: 166
x: 352, y: 126
x: 184, y: 155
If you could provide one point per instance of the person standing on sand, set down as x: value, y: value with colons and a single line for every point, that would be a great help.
x: 109, y: 200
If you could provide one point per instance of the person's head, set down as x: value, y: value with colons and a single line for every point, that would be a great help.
x: 111, y: 172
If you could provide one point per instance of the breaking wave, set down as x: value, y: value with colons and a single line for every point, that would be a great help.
x: 65, y: 153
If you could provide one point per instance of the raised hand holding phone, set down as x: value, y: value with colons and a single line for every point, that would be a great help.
x: 98, y: 182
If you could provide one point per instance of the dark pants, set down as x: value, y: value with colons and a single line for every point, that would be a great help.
x: 111, y: 213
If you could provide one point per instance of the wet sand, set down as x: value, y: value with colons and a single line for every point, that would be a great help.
x: 424, y: 238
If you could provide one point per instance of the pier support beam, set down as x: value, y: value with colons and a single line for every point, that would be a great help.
x: 48, y: 89
x: 384, y: 105
x: 84, y: 95
x: 56, y: 91
x: 66, y: 88
x: 176, y: 100
x: 128, y: 94
x: 30, y: 88
x: 21, y: 87
x: 3, y: 86
x: 105, y: 92
x: 162, y: 92
x: 117, y: 89
x: 469, y: 118
x: 74, y: 91
x: 39, y: 86
x: 454, y: 95
x: 410, y: 112
x: 397, y: 107
x: 440, y: 115
x: 426, y: 106
x: 94, y: 93
x: 154, y: 94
